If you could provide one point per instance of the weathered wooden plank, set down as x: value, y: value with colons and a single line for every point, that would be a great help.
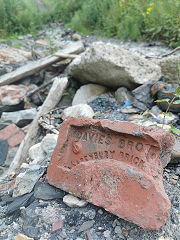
x: 36, y: 66
x: 54, y: 96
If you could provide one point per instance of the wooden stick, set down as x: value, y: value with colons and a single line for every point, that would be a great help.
x: 54, y: 96
x: 38, y: 89
x: 165, y: 55
x: 62, y: 55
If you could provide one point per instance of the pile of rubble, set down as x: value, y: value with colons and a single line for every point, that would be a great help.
x: 70, y: 91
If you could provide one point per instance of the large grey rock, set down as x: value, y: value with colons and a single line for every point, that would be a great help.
x: 88, y: 93
x: 110, y: 65
x: 27, y: 179
x: 80, y: 110
x: 20, y: 118
x: 169, y: 67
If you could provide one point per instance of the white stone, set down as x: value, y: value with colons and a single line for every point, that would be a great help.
x: 36, y: 153
x: 73, y: 201
x: 110, y: 65
x: 88, y: 93
x: 80, y: 110
x: 26, y: 180
x: 48, y: 143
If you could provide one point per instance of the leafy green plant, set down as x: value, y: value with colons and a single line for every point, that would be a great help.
x: 174, y: 100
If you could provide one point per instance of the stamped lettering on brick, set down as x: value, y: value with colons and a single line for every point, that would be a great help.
x: 115, y: 165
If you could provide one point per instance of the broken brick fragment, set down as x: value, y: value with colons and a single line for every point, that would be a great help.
x: 12, y: 134
x: 114, y: 165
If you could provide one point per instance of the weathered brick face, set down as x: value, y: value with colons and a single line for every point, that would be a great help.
x: 115, y: 165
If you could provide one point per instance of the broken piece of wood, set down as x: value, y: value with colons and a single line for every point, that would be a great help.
x: 54, y: 96
x: 165, y: 55
x: 36, y: 66
x: 62, y: 55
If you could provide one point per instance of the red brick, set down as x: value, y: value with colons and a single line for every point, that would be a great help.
x: 8, y: 131
x: 16, y: 139
x: 12, y: 134
x: 114, y: 165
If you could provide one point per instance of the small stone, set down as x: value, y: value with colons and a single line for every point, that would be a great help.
x: 118, y: 230
x: 22, y: 237
x: 88, y: 93
x: 76, y: 37
x: 73, y: 201
x: 57, y: 225
x: 41, y: 152
x: 161, y: 238
x: 80, y: 110
x: 143, y: 93
x: 36, y: 153
x: 26, y: 180
x: 86, y: 225
x: 178, y: 171
x: 101, y: 228
x: 107, y: 233
x: 122, y: 94
x: 49, y: 143
x: 175, y: 177
x: 3, y: 151
x: 22, y: 201
x: 125, y: 232
x: 100, y: 211
x: 173, y: 181
x: 47, y: 192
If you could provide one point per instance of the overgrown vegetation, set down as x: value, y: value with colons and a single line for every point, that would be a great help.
x: 126, y: 19
x: 19, y: 16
